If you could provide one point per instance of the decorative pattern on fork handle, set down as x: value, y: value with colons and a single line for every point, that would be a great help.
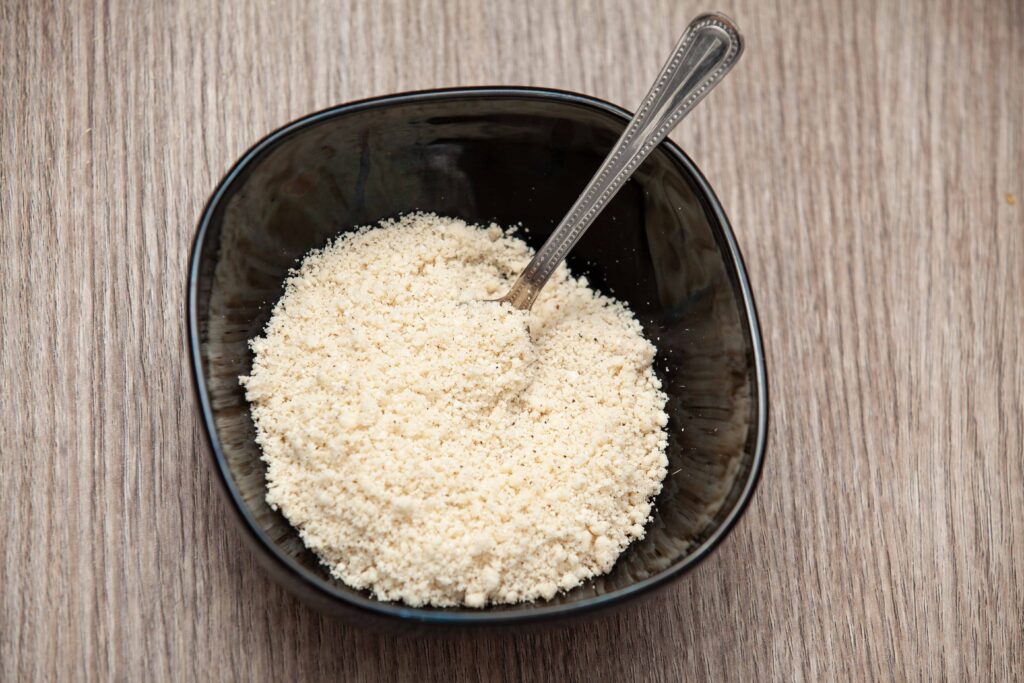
x: 707, y: 50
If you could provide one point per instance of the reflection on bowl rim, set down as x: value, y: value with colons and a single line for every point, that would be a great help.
x: 485, y: 616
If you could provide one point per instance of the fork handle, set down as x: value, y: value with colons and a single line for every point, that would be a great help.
x: 707, y: 50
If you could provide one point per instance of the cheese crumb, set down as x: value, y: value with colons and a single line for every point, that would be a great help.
x: 439, y: 449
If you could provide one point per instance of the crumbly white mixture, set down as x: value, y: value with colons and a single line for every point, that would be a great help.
x: 427, y: 446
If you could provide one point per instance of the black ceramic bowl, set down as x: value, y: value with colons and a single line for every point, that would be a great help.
x: 511, y: 155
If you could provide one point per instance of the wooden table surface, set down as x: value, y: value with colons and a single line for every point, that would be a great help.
x: 871, y: 156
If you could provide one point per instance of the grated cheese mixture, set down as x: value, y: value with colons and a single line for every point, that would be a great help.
x: 438, y: 449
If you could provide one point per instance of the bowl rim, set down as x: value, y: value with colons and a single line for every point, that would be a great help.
x: 464, y: 617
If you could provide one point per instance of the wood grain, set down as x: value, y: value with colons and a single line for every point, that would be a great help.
x: 871, y: 156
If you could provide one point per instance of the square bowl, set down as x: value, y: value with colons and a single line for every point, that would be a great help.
x: 513, y: 156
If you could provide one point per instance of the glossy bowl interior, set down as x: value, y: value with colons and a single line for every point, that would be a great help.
x: 513, y: 156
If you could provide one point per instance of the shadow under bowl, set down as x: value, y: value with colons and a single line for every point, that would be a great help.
x: 513, y: 156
